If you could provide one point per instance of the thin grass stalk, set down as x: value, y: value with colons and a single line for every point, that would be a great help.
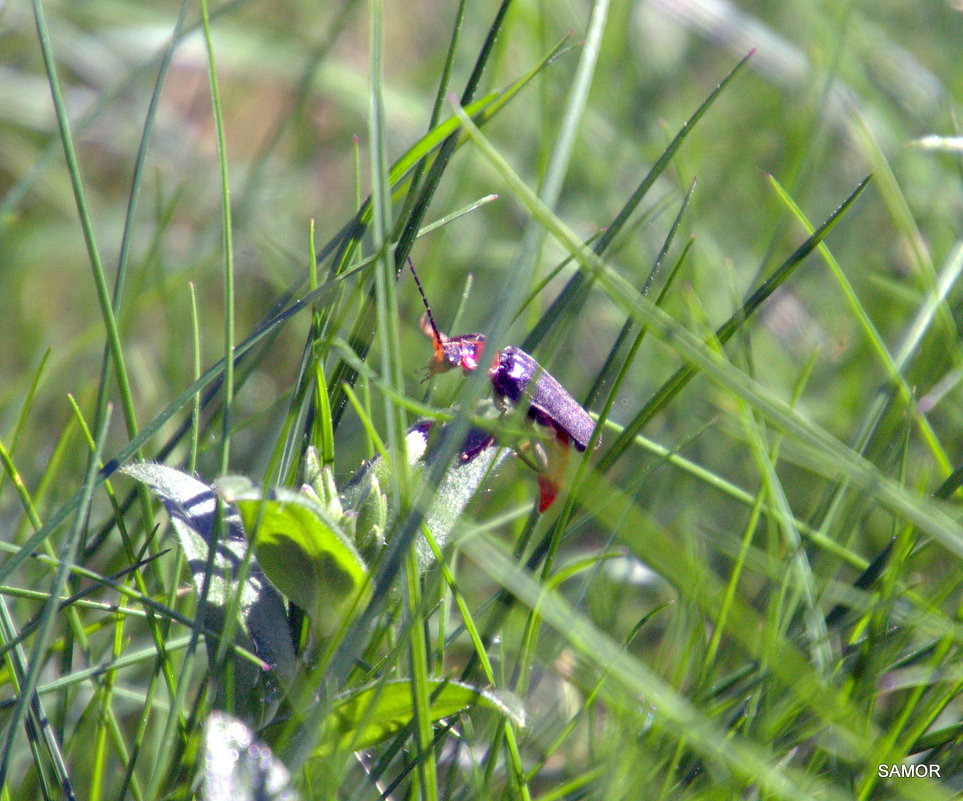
x: 639, y: 681
x: 140, y: 161
x: 196, y: 408
x: 15, y: 196
x: 819, y: 445
x: 573, y: 288
x: 45, y: 630
x: 55, y: 519
x: 93, y: 252
x: 227, y: 241
x: 425, y: 779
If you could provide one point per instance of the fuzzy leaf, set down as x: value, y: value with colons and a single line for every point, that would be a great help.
x: 478, y: 456
x: 302, y: 550
x: 191, y: 505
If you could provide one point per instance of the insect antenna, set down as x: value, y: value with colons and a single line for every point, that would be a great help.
x: 439, y: 339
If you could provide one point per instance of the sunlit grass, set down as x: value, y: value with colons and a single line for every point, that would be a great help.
x: 704, y: 611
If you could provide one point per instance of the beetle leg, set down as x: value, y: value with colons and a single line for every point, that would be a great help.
x: 550, y: 481
x: 532, y: 452
x: 476, y: 440
x: 549, y: 459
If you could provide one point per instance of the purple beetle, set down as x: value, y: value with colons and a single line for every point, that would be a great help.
x: 512, y: 375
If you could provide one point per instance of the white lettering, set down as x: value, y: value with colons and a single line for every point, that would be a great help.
x: 904, y: 771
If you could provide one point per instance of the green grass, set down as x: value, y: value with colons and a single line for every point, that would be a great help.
x: 687, y: 242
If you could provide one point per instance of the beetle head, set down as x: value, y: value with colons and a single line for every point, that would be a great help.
x: 450, y: 352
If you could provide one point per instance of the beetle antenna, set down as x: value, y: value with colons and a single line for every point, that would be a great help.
x: 437, y: 336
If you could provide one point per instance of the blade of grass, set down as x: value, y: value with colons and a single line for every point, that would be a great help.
x: 573, y: 288
x: 344, y: 243
x: 17, y: 662
x: 678, y: 381
x: 167, y: 612
x: 106, y: 718
x: 195, y: 418
x: 440, y: 164
x: 227, y: 241
x: 447, y: 137
x: 902, y: 218
x: 24, y: 413
x: 895, y: 367
x: 127, y: 233
x: 561, y: 155
x: 822, y: 451
x: 386, y: 302
x: 148, y: 431
x: 93, y: 252
x: 548, y: 545
x: 737, y: 754
x: 138, y: 658
x: 76, y: 599
x: 45, y: 630
x: 405, y: 236
x: 609, y: 363
x: 427, y: 779
x: 801, y: 569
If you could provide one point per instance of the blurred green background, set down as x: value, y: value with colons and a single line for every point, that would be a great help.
x: 834, y: 91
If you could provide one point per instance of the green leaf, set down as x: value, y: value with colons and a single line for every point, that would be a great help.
x: 369, y: 527
x: 372, y: 714
x: 302, y: 550
x: 191, y: 506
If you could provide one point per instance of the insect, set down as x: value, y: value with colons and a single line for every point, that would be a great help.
x: 517, y: 378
